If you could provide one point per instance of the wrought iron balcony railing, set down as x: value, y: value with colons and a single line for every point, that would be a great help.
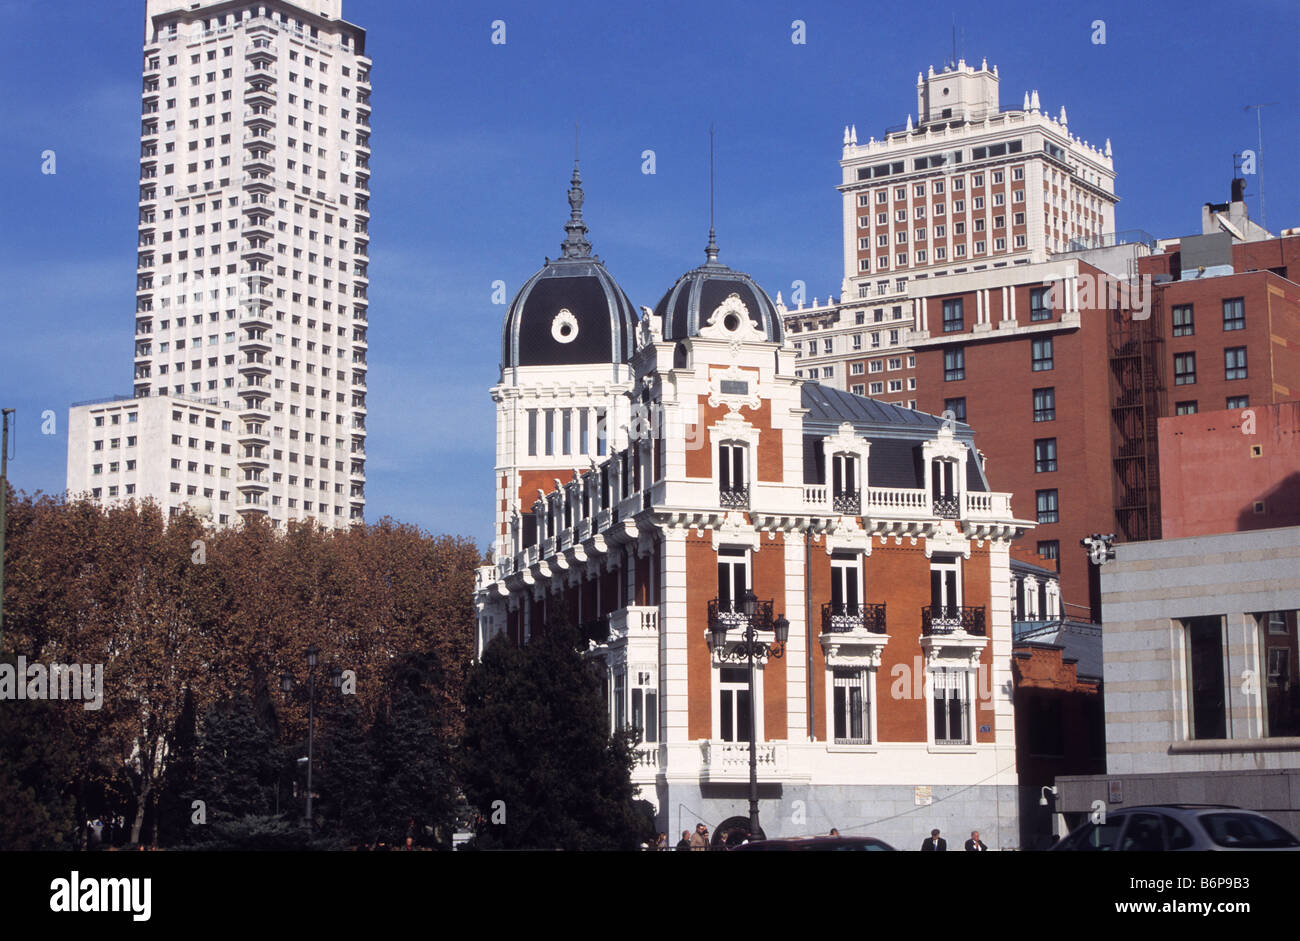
x: 734, y: 498
x: 840, y: 618
x: 948, y: 619
x: 946, y: 508
x: 734, y: 618
x: 848, y: 502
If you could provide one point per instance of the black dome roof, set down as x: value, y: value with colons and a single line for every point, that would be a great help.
x: 572, y: 311
x: 690, y: 302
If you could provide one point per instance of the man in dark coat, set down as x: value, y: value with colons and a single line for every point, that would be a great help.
x: 974, y: 845
x: 935, y: 844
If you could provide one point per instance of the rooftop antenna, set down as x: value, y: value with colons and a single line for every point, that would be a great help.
x: 1259, y: 157
x: 711, y: 250
x: 952, y: 63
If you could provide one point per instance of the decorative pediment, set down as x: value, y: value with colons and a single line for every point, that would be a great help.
x: 730, y: 321
x: 860, y: 649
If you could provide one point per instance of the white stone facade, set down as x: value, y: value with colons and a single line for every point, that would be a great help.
x: 253, y: 249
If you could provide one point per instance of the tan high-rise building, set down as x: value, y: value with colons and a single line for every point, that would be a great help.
x: 963, y: 187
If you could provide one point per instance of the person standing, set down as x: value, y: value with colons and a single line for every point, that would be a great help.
x: 661, y: 843
x: 935, y: 844
x: 973, y: 845
x: 700, y: 839
x: 684, y: 844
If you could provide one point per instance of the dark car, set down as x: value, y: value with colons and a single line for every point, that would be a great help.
x: 1173, y: 827
x: 816, y: 844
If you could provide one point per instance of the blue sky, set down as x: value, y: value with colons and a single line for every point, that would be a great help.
x: 472, y: 150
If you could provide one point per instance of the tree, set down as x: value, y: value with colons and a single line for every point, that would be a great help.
x: 413, y: 757
x: 538, y: 751
x: 35, y: 775
x: 239, y: 763
x: 345, y: 776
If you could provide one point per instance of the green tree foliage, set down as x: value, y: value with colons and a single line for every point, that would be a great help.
x: 39, y: 810
x: 537, y: 748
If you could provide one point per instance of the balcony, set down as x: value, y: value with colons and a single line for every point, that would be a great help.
x: 950, y: 619
x: 843, y: 618
x: 646, y: 758
x: 259, y: 96
x: 729, y: 761
x: 947, y: 508
x: 847, y: 502
x: 633, y: 621
x: 723, y: 612
x: 734, y: 498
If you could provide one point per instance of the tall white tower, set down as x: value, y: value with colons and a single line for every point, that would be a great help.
x: 252, y: 265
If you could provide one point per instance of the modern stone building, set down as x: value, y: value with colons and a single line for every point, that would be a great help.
x: 1200, y: 668
x: 668, y: 480
x: 252, y: 265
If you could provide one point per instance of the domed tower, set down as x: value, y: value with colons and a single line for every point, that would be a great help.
x: 568, y: 337
x: 700, y: 292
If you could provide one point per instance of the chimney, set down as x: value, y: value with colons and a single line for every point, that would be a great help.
x: 1238, y: 190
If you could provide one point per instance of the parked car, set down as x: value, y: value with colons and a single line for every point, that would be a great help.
x: 816, y: 844
x: 1165, y: 827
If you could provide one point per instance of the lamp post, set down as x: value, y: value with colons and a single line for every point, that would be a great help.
x: 747, y: 649
x: 286, y: 684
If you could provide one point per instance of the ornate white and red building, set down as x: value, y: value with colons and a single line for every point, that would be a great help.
x: 652, y: 470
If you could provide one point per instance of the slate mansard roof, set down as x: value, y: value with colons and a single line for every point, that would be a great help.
x: 896, y: 435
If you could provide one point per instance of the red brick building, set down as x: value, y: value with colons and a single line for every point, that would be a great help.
x: 1231, y: 470
x: 1066, y: 367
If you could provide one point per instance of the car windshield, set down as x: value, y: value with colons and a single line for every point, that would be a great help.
x: 1246, y: 831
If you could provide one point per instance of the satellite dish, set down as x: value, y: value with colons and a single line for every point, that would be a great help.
x: 202, y: 507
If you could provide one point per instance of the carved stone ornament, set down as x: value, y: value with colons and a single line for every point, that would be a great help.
x: 565, y: 326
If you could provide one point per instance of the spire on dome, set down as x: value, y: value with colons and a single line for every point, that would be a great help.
x: 711, y: 250
x: 575, y: 244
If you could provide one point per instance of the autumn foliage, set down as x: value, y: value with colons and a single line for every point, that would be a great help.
x: 194, y: 626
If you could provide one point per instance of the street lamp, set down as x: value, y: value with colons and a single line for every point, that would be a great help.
x: 286, y: 684
x: 746, y: 650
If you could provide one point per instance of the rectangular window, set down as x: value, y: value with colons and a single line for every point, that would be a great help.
x: 1234, y: 363
x: 532, y: 432
x: 1184, y: 322
x: 850, y: 707
x: 949, y: 688
x: 1048, y: 511
x: 1280, y: 663
x: 1049, y: 549
x: 733, y: 704
x: 1205, y: 676
x: 952, y: 315
x: 954, y: 365
x: 1185, y: 408
x: 584, y: 444
x: 566, y: 431
x: 1238, y: 401
x: 957, y: 407
x: 1044, y: 455
x: 1234, y: 314
x: 1184, y: 369
x: 731, y: 469
x: 1038, y: 309
x: 645, y: 707
x: 550, y: 432
x: 1042, y: 354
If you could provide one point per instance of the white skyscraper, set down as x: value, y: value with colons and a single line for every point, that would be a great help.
x: 251, y: 307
